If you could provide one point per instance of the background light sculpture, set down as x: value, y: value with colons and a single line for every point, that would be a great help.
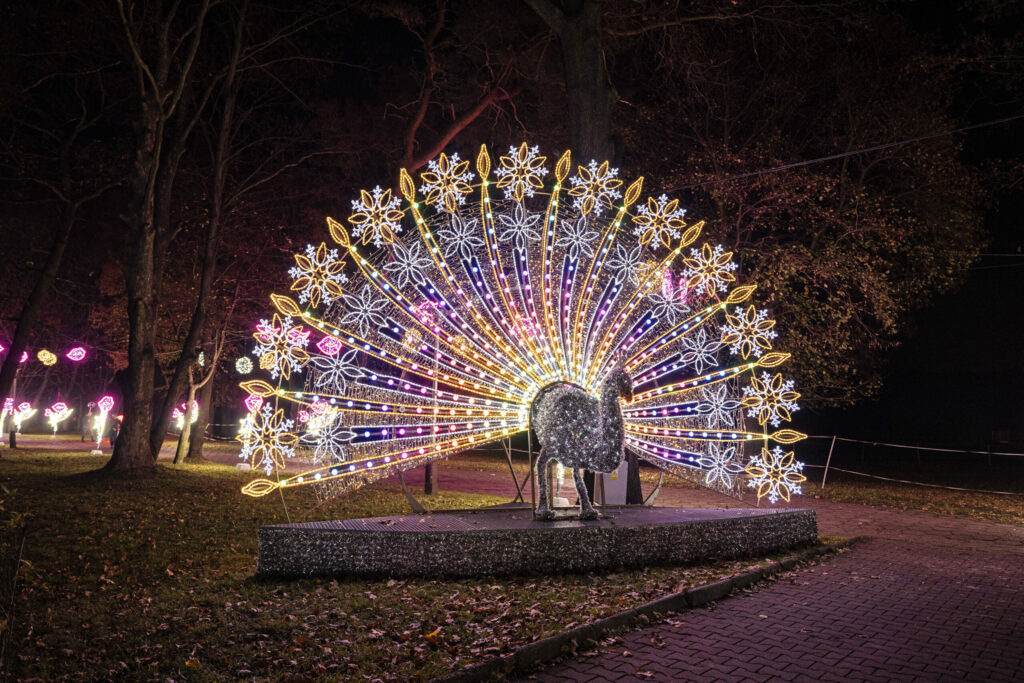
x: 440, y: 341
x: 104, y: 406
x: 76, y: 354
x: 57, y: 413
x: 23, y: 412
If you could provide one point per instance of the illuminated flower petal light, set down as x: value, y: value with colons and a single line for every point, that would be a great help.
x: 76, y: 354
x: 481, y: 289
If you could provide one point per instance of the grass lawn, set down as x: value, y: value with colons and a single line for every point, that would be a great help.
x: 850, y: 489
x: 153, y: 578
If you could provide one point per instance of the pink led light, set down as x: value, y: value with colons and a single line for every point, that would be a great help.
x: 76, y: 354
x: 22, y: 407
x: 319, y: 407
x: 298, y: 336
x: 2, y: 348
x: 59, y: 407
x: 175, y: 414
x: 24, y: 357
x: 105, y: 403
x: 303, y: 416
x: 329, y: 346
x: 253, y: 402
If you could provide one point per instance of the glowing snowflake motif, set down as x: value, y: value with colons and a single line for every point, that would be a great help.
x: 376, y: 217
x: 329, y: 437
x: 628, y: 264
x: 365, y: 310
x: 281, y: 346
x: 578, y: 238
x: 701, y: 350
x: 334, y: 372
x: 409, y: 265
x: 775, y: 474
x: 461, y: 237
x: 709, y: 270
x: 595, y: 188
x: 748, y: 332
x: 519, y: 228
x: 446, y: 184
x: 669, y: 308
x: 770, y: 399
x: 520, y: 172
x: 721, y: 465
x: 317, y: 275
x: 716, y: 406
x: 267, y: 440
x: 661, y: 220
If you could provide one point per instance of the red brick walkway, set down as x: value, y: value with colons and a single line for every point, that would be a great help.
x: 926, y: 598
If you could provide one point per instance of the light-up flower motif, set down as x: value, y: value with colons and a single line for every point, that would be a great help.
x: 770, y: 399
x: 317, y: 275
x: 671, y: 308
x: 334, y: 372
x: 281, y: 346
x: 595, y: 188
x: 520, y: 172
x: 709, y: 270
x: 268, y: 441
x: 106, y: 404
x: 446, y: 184
x: 461, y: 237
x: 721, y: 465
x: 364, y: 310
x: 409, y: 264
x: 519, y: 228
x: 329, y: 436
x: 716, y: 405
x: 628, y: 263
x: 253, y: 402
x: 329, y: 346
x: 376, y: 217
x: 748, y: 332
x: 775, y: 474
x: 659, y: 221
x: 700, y: 350
x: 578, y: 238
x: 76, y: 354
x: 243, y: 366
x: 46, y: 357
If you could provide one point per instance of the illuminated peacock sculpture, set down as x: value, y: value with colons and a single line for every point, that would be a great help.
x: 490, y: 299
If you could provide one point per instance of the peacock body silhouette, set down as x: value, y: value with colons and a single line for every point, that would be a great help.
x: 491, y: 301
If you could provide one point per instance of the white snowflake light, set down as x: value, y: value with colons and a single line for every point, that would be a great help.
x: 660, y: 221
x: 446, y: 184
x: 595, y: 188
x: 520, y: 172
x: 748, y: 332
x: 775, y: 474
x: 317, y: 275
x: 770, y: 399
x: 376, y: 217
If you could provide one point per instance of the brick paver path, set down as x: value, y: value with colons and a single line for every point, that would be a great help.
x: 926, y: 598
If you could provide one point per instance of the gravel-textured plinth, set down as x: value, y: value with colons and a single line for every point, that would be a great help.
x: 500, y: 540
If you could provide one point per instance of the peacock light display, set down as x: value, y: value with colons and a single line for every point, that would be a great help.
x: 452, y: 319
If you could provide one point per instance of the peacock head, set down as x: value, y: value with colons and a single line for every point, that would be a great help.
x: 622, y: 382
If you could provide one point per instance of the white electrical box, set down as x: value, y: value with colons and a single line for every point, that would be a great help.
x: 614, y: 486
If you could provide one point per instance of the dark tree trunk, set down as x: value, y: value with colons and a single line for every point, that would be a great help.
x: 430, y: 478
x: 589, y: 92
x: 590, y: 96
x: 195, y: 441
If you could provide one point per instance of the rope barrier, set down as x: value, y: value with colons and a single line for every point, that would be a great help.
x: 918, y: 483
x: 919, y: 448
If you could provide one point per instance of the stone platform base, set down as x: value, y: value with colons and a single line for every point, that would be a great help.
x: 506, y: 540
